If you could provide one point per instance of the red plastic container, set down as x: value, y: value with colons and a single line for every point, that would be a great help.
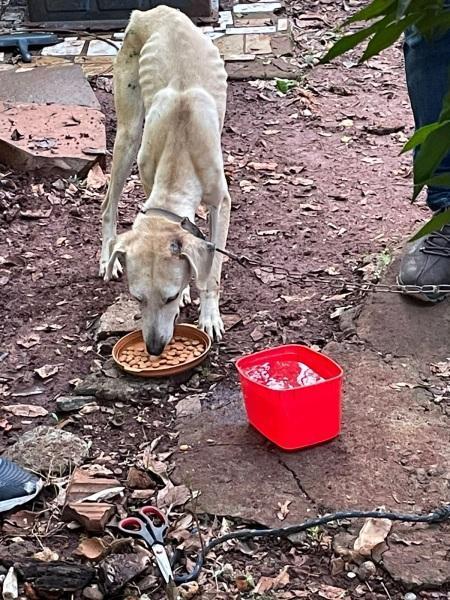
x: 298, y: 417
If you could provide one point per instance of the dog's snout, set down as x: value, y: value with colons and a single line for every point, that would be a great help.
x: 155, y: 347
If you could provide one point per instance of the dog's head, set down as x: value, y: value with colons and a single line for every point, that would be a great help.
x: 159, y: 260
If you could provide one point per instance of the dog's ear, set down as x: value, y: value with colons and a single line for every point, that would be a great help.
x: 200, y: 255
x: 118, y: 252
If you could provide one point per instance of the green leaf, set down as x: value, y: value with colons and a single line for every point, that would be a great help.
x: 441, y: 180
x: 350, y: 41
x: 421, y: 135
x: 431, y: 153
x: 434, y: 224
x: 375, y: 9
x: 386, y: 37
x: 285, y: 85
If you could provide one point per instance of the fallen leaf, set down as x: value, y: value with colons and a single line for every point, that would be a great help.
x: 28, y: 341
x: 36, y: 214
x: 284, y: 510
x: 96, y: 179
x: 268, y: 232
x: 373, y: 533
x: 231, y: 321
x: 155, y: 466
x: 173, y: 496
x: 257, y: 334
x: 91, y: 548
x: 26, y: 410
x: 339, y: 311
x: 5, y: 425
x: 302, y: 181
x: 265, y: 584
x: 263, y: 166
x: 331, y: 592
x: 188, y: 590
x: 46, y: 371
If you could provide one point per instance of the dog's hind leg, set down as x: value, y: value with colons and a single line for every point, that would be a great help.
x: 130, y: 115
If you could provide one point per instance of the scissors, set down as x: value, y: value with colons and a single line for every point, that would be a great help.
x: 150, y: 525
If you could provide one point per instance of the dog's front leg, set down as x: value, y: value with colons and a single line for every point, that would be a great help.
x: 210, y: 319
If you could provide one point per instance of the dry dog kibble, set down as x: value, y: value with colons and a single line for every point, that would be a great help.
x: 180, y: 350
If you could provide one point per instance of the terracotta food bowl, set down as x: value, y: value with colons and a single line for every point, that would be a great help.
x: 188, y: 348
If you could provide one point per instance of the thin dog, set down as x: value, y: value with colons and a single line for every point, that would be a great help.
x: 170, y: 95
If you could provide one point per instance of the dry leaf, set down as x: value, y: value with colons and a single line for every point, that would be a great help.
x: 91, y: 548
x: 263, y: 166
x: 284, y: 510
x: 331, y: 593
x: 155, y: 466
x: 188, y: 590
x: 373, y: 533
x: 5, y: 425
x: 46, y: 371
x: 28, y: 341
x: 96, y: 179
x: 265, y: 584
x: 26, y: 410
x: 173, y: 496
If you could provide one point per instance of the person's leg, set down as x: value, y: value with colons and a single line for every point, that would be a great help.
x: 427, y: 64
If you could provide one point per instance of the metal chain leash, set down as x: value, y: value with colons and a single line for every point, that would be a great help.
x: 394, y: 288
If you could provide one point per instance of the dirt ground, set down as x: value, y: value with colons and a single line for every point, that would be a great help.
x: 317, y: 186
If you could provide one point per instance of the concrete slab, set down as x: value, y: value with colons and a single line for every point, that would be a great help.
x: 63, y: 85
x: 51, y: 137
x: 394, y: 451
x: 236, y: 472
x: 398, y: 325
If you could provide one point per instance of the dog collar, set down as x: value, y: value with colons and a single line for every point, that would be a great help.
x: 184, y: 222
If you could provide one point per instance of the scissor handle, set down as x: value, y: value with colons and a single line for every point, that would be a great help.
x: 156, y: 521
x: 131, y: 526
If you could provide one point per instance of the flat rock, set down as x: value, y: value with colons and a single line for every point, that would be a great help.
x: 399, y: 325
x: 54, y: 138
x: 119, y: 319
x: 389, y: 443
x: 48, y: 450
x: 63, y: 85
x: 419, y: 556
x: 236, y: 472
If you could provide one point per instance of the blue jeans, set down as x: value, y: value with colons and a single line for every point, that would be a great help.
x: 427, y: 65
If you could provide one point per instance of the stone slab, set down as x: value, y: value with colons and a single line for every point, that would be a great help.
x: 390, y: 439
x: 51, y: 137
x: 236, y: 472
x: 119, y: 318
x: 61, y: 85
x: 393, y: 451
x: 419, y: 555
x: 399, y: 325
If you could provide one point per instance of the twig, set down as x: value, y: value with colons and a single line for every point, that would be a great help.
x: 386, y: 590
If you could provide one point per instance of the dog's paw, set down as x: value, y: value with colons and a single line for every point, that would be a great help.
x: 116, y: 271
x: 185, y: 299
x: 211, y: 322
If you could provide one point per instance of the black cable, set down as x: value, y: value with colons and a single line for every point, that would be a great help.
x: 439, y: 515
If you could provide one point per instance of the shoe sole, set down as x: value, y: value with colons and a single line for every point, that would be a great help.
x: 428, y: 299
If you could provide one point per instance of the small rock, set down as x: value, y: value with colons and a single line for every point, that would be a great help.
x: 93, y: 593
x: 120, y: 318
x: 189, y: 406
x: 138, y: 480
x: 351, y: 575
x: 70, y: 403
x: 367, y: 570
x: 117, y: 570
x: 409, y: 596
x: 48, y: 450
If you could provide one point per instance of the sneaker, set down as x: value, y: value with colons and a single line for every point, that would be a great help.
x: 17, y: 486
x: 427, y: 262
